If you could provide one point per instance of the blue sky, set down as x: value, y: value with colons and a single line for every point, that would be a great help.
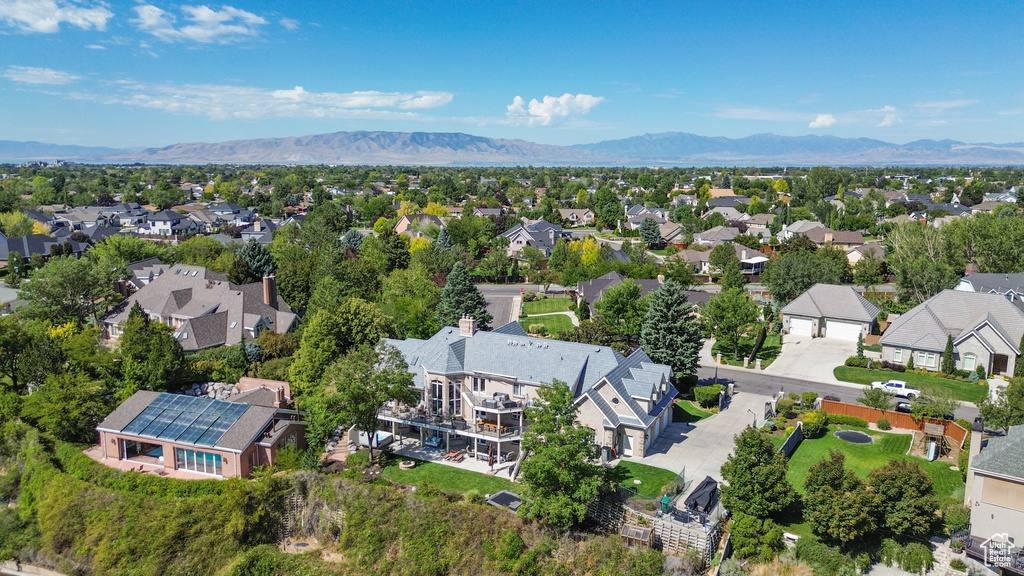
x: 153, y: 73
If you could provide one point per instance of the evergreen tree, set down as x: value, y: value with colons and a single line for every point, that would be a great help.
x: 459, y: 298
x: 671, y: 333
x: 583, y: 311
x: 151, y: 359
x: 948, y: 362
x: 650, y: 233
x: 257, y: 259
x: 444, y: 239
x: 352, y: 240
x: 1018, y: 369
x: 860, y: 345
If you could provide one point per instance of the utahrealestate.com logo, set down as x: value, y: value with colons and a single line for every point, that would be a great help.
x: 998, y: 550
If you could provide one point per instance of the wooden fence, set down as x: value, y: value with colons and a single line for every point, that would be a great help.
x: 952, y: 430
x: 670, y: 535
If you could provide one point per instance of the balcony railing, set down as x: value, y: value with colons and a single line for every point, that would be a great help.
x: 446, y: 424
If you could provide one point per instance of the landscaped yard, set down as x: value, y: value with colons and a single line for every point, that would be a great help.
x: 684, y: 410
x: 652, y: 479
x: 863, y: 458
x: 965, y: 391
x: 547, y: 305
x: 446, y: 477
x: 554, y: 323
x: 768, y: 353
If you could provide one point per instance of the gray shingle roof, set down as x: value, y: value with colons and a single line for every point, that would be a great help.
x: 1002, y: 456
x: 832, y: 301
x: 536, y: 361
x: 956, y: 314
x: 998, y: 283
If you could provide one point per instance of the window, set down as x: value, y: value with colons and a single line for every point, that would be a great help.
x: 454, y: 400
x: 969, y: 361
x: 196, y: 461
x: 437, y: 397
x: 897, y: 355
x: 518, y: 389
x: 479, y: 385
x: 926, y: 359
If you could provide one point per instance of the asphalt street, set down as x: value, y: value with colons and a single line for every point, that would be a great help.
x: 758, y: 383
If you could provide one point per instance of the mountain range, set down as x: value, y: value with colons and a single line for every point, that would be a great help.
x: 432, y: 148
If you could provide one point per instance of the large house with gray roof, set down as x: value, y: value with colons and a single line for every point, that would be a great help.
x: 203, y: 436
x: 203, y: 307
x: 995, y: 494
x: 1010, y: 286
x: 830, y: 311
x: 475, y: 386
x: 986, y: 331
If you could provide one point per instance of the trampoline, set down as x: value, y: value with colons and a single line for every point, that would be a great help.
x: 854, y: 437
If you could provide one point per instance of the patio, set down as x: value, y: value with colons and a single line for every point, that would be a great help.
x: 410, y: 447
x: 145, y: 465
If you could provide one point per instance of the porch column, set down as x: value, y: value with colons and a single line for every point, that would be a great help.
x: 447, y: 441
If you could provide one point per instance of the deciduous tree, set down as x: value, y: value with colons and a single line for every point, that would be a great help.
x: 755, y: 473
x: 728, y: 315
x: 68, y: 289
x: 559, y: 473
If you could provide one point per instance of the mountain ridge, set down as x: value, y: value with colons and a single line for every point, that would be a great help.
x: 457, y: 148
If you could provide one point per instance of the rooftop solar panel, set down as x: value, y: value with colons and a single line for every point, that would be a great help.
x: 187, y: 419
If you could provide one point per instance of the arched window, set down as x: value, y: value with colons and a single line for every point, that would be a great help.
x: 969, y: 361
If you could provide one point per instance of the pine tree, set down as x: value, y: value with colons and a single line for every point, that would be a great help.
x: 257, y: 258
x: 459, y: 298
x: 860, y: 345
x: 352, y: 240
x: 948, y: 362
x: 670, y: 333
x: 444, y: 239
x: 583, y: 311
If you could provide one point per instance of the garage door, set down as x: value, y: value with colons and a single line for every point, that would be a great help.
x: 842, y: 331
x: 800, y: 326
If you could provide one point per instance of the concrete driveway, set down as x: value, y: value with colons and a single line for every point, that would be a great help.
x: 806, y: 358
x: 700, y: 449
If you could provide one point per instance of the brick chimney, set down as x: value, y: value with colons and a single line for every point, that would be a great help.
x: 257, y: 225
x: 828, y: 237
x: 467, y: 326
x: 270, y: 291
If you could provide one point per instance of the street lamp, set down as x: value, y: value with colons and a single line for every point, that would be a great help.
x: 754, y: 415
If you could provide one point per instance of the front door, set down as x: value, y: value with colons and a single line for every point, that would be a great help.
x: 999, y: 364
x: 627, y: 445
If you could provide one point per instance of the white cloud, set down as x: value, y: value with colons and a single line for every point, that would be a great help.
x: 942, y: 106
x: 205, y: 25
x: 823, y: 121
x: 31, y: 75
x: 289, y: 23
x: 95, y: 47
x: 221, y: 102
x: 889, y: 118
x: 46, y: 16
x: 552, y: 109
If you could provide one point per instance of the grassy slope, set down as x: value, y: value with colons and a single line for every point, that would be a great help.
x: 686, y: 411
x: 965, y: 391
x: 546, y: 306
x: 447, y: 478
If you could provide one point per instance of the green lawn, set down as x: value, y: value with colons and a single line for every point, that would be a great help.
x: 446, y: 477
x: 554, y: 323
x: 686, y: 411
x: 769, y: 352
x: 965, y: 391
x: 547, y: 305
x: 863, y: 458
x: 652, y: 479
x: 874, y: 347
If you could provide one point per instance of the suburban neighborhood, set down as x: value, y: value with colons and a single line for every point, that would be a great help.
x: 731, y: 368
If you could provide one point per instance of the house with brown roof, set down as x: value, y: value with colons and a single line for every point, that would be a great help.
x: 202, y: 437
x: 203, y: 307
x: 414, y: 225
x: 844, y: 239
x: 576, y: 216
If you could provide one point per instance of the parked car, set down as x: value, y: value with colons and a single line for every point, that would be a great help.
x: 903, y: 407
x: 897, y: 387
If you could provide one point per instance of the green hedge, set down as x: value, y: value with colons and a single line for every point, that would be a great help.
x: 707, y: 396
x: 844, y: 420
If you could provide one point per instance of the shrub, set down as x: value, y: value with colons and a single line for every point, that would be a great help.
x: 815, y: 423
x: 913, y: 557
x: 910, y: 362
x: 857, y: 362
x: 790, y: 430
x: 980, y: 372
x: 707, y: 396
x: 844, y: 420
x: 785, y: 408
x: 895, y: 367
x: 359, y: 460
x: 794, y: 396
x: 956, y: 517
x: 529, y: 296
x: 831, y: 398
x: 883, y: 424
x: 958, y: 565
x: 824, y: 559
x: 539, y: 329
x: 964, y: 374
x: 808, y: 398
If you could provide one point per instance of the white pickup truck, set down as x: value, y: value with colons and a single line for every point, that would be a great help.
x: 897, y: 387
